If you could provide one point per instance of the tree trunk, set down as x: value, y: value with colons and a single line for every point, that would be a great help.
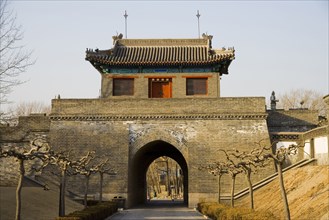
x: 158, y: 182
x: 232, y: 191
x: 19, y: 189
x: 154, y: 183
x: 101, y: 187
x: 62, y: 194
x: 283, y: 191
x: 181, y: 184
x: 251, y: 192
x: 168, y: 179
x: 86, y: 191
x: 177, y: 181
x: 60, y: 200
x: 219, y: 177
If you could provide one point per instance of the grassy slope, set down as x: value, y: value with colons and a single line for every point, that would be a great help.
x: 307, y: 190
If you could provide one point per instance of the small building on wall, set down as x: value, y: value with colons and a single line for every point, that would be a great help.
x: 161, y: 97
x: 161, y: 68
x: 303, y: 127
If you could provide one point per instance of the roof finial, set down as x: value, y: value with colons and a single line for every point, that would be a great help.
x: 126, y: 16
x: 198, y: 16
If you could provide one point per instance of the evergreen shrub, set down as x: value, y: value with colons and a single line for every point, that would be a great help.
x: 99, y: 211
x: 218, y: 211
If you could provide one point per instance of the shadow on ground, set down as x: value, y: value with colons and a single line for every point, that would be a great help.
x: 37, y: 203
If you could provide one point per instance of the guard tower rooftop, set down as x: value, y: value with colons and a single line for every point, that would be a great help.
x: 161, y: 52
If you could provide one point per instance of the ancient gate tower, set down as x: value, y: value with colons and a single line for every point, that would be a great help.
x: 159, y: 97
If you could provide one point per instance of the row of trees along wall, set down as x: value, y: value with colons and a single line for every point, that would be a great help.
x: 62, y: 163
x: 238, y: 162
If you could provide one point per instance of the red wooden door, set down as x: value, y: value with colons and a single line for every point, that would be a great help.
x: 161, y: 90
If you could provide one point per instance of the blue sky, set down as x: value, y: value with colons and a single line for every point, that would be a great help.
x: 280, y: 45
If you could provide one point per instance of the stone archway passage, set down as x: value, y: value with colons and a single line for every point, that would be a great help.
x: 140, y: 163
x: 164, y: 181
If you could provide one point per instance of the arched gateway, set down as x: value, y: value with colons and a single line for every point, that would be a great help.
x: 140, y: 162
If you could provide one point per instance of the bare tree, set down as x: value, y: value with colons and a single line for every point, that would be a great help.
x: 159, y: 167
x: 233, y: 170
x: 302, y: 98
x: 13, y: 59
x: 279, y: 157
x: 245, y: 165
x: 10, y: 117
x: 27, y: 108
x: 153, y: 179
x: 216, y: 169
x: 64, y: 161
x: 165, y: 171
x: 247, y: 162
x: 230, y: 167
x: 178, y: 179
x: 38, y: 149
x: 85, y: 167
x: 166, y: 160
x: 102, y: 168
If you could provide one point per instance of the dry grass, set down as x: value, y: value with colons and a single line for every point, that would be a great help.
x: 307, y: 190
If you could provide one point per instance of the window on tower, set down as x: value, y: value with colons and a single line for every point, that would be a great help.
x: 196, y: 86
x: 123, y: 87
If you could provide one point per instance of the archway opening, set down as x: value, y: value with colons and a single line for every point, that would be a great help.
x: 140, y: 163
x: 165, y: 181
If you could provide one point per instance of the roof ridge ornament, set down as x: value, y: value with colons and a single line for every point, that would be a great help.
x: 209, y: 38
x: 117, y: 37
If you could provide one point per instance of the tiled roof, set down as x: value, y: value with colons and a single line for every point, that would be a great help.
x: 158, y: 52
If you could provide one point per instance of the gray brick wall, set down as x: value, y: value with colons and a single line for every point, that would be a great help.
x: 121, y: 128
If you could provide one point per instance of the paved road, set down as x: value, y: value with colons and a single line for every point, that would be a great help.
x: 157, y: 212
